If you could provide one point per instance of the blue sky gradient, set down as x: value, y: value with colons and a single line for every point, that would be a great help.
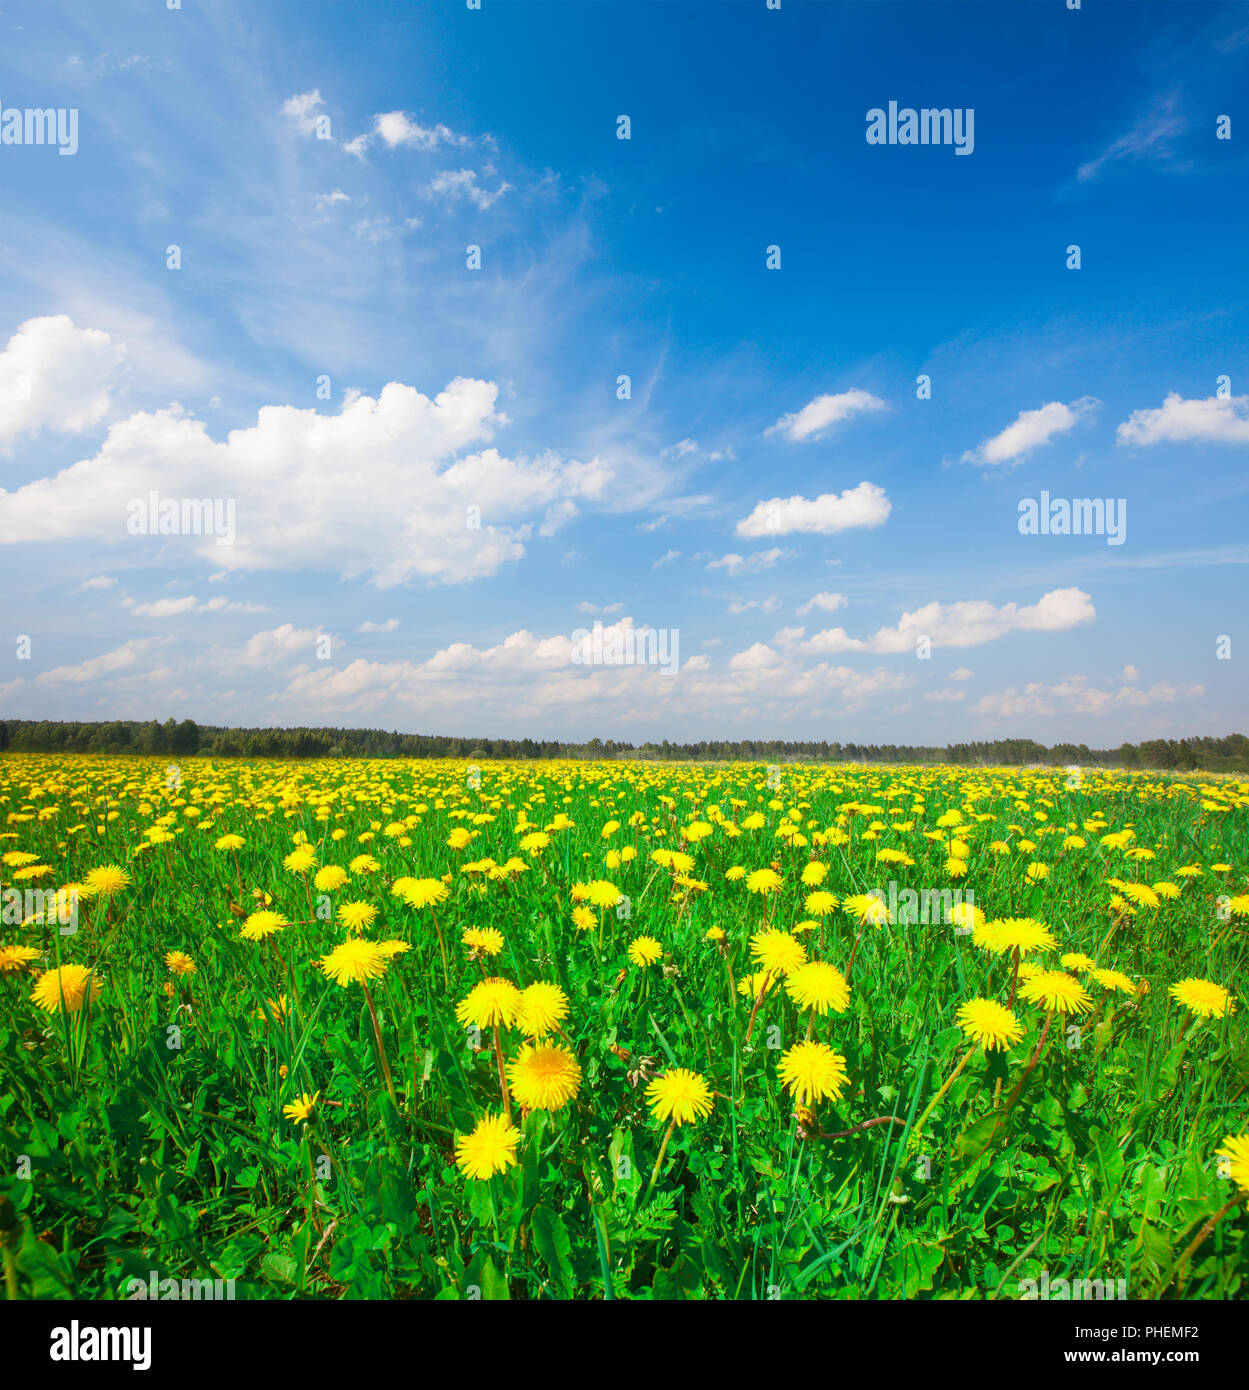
x: 305, y: 258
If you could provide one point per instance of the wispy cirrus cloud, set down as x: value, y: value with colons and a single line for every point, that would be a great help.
x: 1153, y: 137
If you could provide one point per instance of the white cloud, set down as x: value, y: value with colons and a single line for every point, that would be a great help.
x: 100, y: 667
x: 596, y: 608
x: 55, y: 376
x: 1215, y: 420
x: 530, y: 676
x: 188, y: 603
x: 1151, y: 137
x: 824, y: 411
x: 1075, y: 695
x: 99, y: 581
x: 1130, y: 675
x: 370, y: 626
x: 1030, y: 431
x: 263, y: 648
x: 826, y: 602
x: 865, y: 505
x: 962, y: 673
x: 735, y: 564
x: 945, y: 697
x: 767, y: 605
x: 303, y: 111
x: 666, y: 559
x: 395, y: 128
x: 382, y: 489
x: 462, y: 183
x: 967, y: 624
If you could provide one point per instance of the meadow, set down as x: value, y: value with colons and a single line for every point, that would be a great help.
x: 607, y: 1030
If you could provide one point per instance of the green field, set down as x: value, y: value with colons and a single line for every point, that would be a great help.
x: 265, y: 1042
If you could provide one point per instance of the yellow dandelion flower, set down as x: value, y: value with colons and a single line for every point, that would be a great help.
x: 106, y: 881
x: 818, y: 986
x: 989, y: 1023
x: 679, y: 1095
x: 810, y: 1071
x: 66, y: 986
x: 645, y: 950
x: 356, y: 916
x: 354, y: 961
x: 1203, y: 998
x: 777, y: 951
x: 261, y: 924
x: 301, y: 1107
x: 1056, y: 991
x: 489, y: 1149
x: 15, y: 958
x: 542, y: 1007
x: 179, y: 963
x: 545, y: 1077
x: 492, y: 1002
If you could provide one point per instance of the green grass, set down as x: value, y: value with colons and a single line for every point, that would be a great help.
x: 129, y: 1149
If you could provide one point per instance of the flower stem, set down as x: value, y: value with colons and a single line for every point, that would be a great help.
x: 498, y: 1057
x: 381, y: 1051
x: 1199, y: 1239
x: 663, y: 1149
x: 936, y: 1100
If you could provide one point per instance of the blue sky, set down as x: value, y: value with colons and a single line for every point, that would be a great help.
x: 839, y: 558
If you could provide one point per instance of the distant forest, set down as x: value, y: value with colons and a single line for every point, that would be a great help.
x: 188, y: 739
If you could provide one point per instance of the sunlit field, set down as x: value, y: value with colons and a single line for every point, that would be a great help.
x: 396, y: 1029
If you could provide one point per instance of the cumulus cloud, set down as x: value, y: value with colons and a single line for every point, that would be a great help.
x: 99, y: 581
x: 1214, y: 420
x: 396, y: 128
x: 1031, y: 430
x: 383, y: 489
x: 264, y: 648
x: 1076, y: 695
x: 823, y: 412
x: 825, y: 602
x: 54, y: 376
x: 967, y: 624
x: 529, y: 675
x: 735, y: 564
x: 370, y: 626
x: 862, y: 506
x: 962, y: 673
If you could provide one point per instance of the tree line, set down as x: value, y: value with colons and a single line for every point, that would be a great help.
x: 186, y: 738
